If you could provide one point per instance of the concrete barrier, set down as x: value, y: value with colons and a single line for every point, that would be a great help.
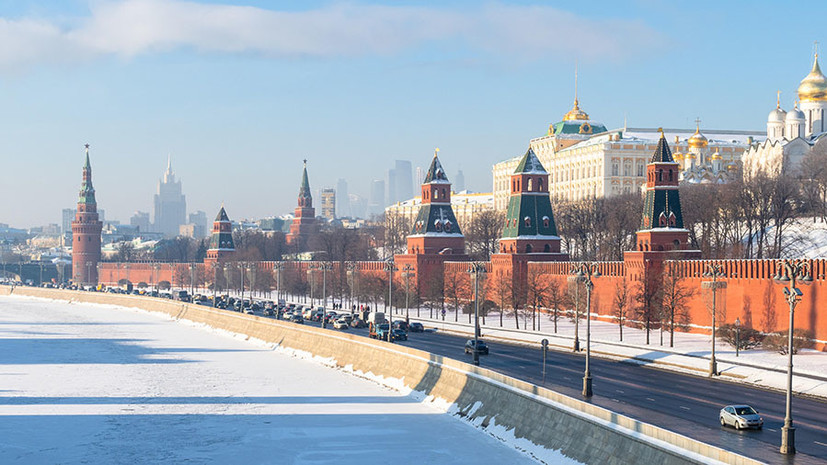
x: 582, y: 431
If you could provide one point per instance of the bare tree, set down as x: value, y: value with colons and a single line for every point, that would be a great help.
x: 556, y: 298
x: 676, y: 295
x: 649, y: 299
x: 456, y: 289
x: 502, y: 287
x: 537, y: 293
x: 483, y: 233
x: 621, y: 304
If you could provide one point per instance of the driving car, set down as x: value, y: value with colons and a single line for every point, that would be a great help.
x: 399, y: 335
x: 400, y: 324
x: 740, y: 417
x: 296, y: 318
x: 482, y: 347
x: 358, y: 323
x: 340, y: 324
x: 416, y: 328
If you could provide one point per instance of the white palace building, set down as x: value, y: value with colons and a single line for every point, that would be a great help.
x: 791, y: 134
x: 585, y: 159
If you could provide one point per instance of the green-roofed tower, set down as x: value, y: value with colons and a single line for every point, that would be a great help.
x: 222, y: 246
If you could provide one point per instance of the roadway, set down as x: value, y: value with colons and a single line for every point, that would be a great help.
x: 679, y: 402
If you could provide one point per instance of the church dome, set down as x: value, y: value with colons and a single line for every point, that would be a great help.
x: 814, y: 86
x: 576, y: 113
x: 698, y: 140
x: 795, y: 116
x: 777, y: 116
x: 677, y: 156
x: 715, y: 156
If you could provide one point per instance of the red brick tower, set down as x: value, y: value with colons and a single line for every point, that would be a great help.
x: 304, y: 221
x: 86, y: 232
x: 222, y: 246
x: 661, y: 235
x: 530, y: 233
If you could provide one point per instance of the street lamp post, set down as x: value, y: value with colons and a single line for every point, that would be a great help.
x: 352, y: 267
x: 585, y: 273
x: 192, y: 279
x: 325, y: 267
x: 714, y: 271
x: 737, y: 336
x: 544, y: 345
x: 390, y: 268
x: 476, y: 268
x: 278, y: 266
x: 789, y: 272
x: 407, y: 272
x: 576, y: 344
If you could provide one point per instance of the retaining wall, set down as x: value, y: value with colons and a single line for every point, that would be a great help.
x: 580, y: 430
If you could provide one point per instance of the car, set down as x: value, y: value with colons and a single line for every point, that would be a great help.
x: 401, y: 324
x: 340, y: 324
x: 741, y: 417
x: 399, y: 335
x: 482, y: 347
x: 249, y: 311
x: 268, y: 312
x: 416, y: 328
x: 296, y: 318
x: 358, y: 323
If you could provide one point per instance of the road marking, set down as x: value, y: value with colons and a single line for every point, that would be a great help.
x: 772, y: 430
x: 820, y: 443
x: 618, y: 390
x: 685, y: 408
x: 649, y: 398
x: 616, y: 400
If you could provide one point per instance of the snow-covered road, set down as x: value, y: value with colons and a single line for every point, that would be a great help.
x: 84, y: 383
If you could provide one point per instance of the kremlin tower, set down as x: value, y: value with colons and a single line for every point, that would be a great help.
x: 435, y: 230
x: 304, y: 221
x: 86, y: 232
x: 222, y: 246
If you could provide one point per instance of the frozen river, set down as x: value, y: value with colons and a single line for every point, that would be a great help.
x: 84, y: 383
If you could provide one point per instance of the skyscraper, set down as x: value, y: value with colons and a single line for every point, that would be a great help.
x: 342, y: 199
x: 329, y: 203
x: 141, y: 221
x: 376, y: 204
x: 170, y: 204
x: 399, y: 182
x: 459, y: 182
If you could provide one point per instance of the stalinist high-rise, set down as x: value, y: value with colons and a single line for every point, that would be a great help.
x: 170, y: 204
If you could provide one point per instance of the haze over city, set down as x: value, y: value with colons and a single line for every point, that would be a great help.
x: 238, y: 94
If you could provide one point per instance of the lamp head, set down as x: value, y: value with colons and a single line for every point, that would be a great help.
x: 737, y: 322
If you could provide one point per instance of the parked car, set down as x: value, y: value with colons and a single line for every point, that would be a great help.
x: 741, y: 417
x: 249, y: 311
x: 296, y: 318
x: 399, y: 335
x: 416, y: 328
x: 340, y: 324
x: 482, y: 347
x: 358, y: 323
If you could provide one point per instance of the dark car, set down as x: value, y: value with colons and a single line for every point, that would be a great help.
x: 296, y: 318
x: 399, y: 335
x: 416, y: 328
x: 401, y: 324
x: 482, y: 347
x: 358, y: 323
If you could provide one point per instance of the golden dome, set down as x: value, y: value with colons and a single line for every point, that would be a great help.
x: 715, y: 156
x: 689, y: 155
x: 814, y: 86
x: 678, y: 156
x: 698, y: 140
x: 576, y: 113
x: 731, y: 166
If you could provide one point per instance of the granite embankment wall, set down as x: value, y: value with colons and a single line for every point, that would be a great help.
x: 582, y: 431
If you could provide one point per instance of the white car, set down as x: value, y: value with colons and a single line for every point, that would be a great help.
x: 341, y: 324
x: 741, y: 417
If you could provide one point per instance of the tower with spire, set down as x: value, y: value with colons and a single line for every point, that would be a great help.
x: 86, y: 232
x: 304, y: 224
x: 222, y: 247
x: 170, y: 204
x: 435, y: 230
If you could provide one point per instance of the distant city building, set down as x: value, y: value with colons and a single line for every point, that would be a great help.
x: 358, y: 206
x: 112, y: 232
x: 170, y: 204
x: 399, y: 182
x: 342, y: 199
x: 141, y: 221
x: 459, y: 181
x: 329, y: 204
x: 198, y: 222
x: 272, y: 224
x: 792, y: 134
x: 192, y: 230
x: 67, y: 216
x: 86, y: 232
x: 420, y: 175
x: 376, y: 204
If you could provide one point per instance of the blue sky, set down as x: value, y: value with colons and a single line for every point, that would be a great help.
x: 240, y: 92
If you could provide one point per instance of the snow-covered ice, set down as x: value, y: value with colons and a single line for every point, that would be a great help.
x: 84, y: 383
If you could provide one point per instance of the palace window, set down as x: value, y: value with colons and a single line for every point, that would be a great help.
x: 614, y: 169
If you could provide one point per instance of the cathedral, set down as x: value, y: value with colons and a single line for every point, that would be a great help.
x: 791, y: 134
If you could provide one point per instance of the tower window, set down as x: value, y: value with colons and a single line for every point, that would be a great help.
x: 527, y: 221
x: 529, y: 184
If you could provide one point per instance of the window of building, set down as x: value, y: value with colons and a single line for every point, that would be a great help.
x: 527, y: 221
x: 614, y: 169
x: 627, y: 169
x: 640, y: 167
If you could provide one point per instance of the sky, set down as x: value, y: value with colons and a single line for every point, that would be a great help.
x: 238, y: 93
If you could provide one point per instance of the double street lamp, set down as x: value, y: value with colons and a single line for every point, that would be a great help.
x: 714, y: 271
x: 278, y: 266
x: 390, y: 268
x: 407, y: 273
x: 585, y: 273
x: 325, y: 267
x: 352, y: 270
x: 476, y: 269
x: 790, y: 272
